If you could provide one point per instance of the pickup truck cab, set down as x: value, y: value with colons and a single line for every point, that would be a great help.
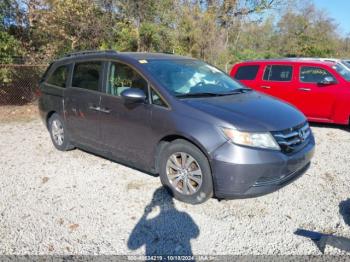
x: 320, y: 88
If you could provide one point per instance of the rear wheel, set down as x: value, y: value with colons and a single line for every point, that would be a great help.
x: 185, y: 171
x: 58, y: 133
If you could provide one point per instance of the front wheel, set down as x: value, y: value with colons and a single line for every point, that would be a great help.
x: 185, y: 172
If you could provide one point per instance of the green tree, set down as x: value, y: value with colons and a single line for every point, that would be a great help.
x: 63, y: 26
x: 308, y: 32
x: 9, y: 48
x: 220, y: 32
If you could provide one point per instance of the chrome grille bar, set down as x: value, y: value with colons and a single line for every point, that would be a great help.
x: 292, y: 138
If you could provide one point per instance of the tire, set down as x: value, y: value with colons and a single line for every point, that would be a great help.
x: 192, y: 182
x: 58, y: 133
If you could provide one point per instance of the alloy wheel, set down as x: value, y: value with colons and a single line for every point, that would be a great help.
x: 184, y: 173
x: 57, y: 131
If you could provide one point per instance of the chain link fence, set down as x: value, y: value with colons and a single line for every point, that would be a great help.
x: 19, y: 84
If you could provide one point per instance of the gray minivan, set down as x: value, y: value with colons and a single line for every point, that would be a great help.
x: 204, y: 133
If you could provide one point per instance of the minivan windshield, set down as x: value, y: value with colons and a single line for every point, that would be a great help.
x: 190, y: 78
x: 342, y: 70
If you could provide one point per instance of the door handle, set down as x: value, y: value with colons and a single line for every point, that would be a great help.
x: 95, y: 108
x: 105, y: 110
x: 266, y: 87
x: 305, y: 89
x: 99, y: 109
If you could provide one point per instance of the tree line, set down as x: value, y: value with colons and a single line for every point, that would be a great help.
x: 221, y: 32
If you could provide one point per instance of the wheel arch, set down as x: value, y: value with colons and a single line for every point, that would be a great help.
x: 48, y: 116
x: 162, y: 143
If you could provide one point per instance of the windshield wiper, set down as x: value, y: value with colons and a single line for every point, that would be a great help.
x: 236, y: 91
x: 203, y: 94
x: 208, y: 94
x: 241, y: 90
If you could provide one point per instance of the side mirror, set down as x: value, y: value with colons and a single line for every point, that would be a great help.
x: 133, y: 95
x: 328, y: 80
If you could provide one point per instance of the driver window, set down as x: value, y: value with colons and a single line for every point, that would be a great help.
x: 310, y: 74
x: 122, y: 77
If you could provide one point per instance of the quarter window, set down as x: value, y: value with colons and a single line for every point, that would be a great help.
x: 247, y: 72
x: 87, y: 75
x: 59, y: 76
x: 156, y: 99
x: 279, y: 73
x: 310, y: 74
x: 122, y: 77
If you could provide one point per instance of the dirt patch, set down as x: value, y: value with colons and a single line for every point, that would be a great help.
x: 18, y: 113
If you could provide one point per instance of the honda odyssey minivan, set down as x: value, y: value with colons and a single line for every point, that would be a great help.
x: 201, y: 131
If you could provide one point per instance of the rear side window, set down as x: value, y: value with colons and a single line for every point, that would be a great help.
x: 311, y: 74
x: 59, y: 76
x: 247, y: 72
x: 279, y: 73
x: 86, y: 75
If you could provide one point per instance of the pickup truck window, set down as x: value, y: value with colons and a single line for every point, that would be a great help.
x: 280, y: 73
x: 310, y: 74
x: 247, y: 72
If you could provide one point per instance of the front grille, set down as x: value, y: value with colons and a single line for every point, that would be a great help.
x: 293, y: 139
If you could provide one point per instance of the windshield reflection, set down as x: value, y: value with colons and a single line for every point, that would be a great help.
x: 191, y: 77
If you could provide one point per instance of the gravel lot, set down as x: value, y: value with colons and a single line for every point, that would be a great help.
x: 76, y: 203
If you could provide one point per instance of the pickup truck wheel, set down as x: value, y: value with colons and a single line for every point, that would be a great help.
x: 58, y: 133
x: 185, y: 172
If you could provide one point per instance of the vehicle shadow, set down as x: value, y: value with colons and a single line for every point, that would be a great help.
x: 322, y: 240
x: 325, y: 125
x: 166, y: 232
x: 344, y: 210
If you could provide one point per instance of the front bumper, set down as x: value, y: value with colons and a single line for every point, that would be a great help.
x: 242, y: 172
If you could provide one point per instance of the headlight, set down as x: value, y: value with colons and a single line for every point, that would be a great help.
x: 260, y: 140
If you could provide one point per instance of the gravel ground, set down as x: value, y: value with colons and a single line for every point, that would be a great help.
x: 76, y: 203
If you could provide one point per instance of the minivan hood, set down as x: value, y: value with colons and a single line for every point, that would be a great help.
x: 250, y: 111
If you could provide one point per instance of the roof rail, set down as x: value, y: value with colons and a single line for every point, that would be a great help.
x: 109, y: 51
x: 296, y: 59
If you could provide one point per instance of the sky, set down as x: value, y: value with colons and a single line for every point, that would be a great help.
x: 339, y: 10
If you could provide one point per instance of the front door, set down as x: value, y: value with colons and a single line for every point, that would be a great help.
x: 125, y: 128
x: 313, y: 98
x: 82, y: 101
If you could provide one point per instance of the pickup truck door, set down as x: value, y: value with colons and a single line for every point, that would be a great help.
x: 314, y: 99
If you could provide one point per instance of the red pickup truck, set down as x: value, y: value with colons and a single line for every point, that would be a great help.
x: 319, y: 88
